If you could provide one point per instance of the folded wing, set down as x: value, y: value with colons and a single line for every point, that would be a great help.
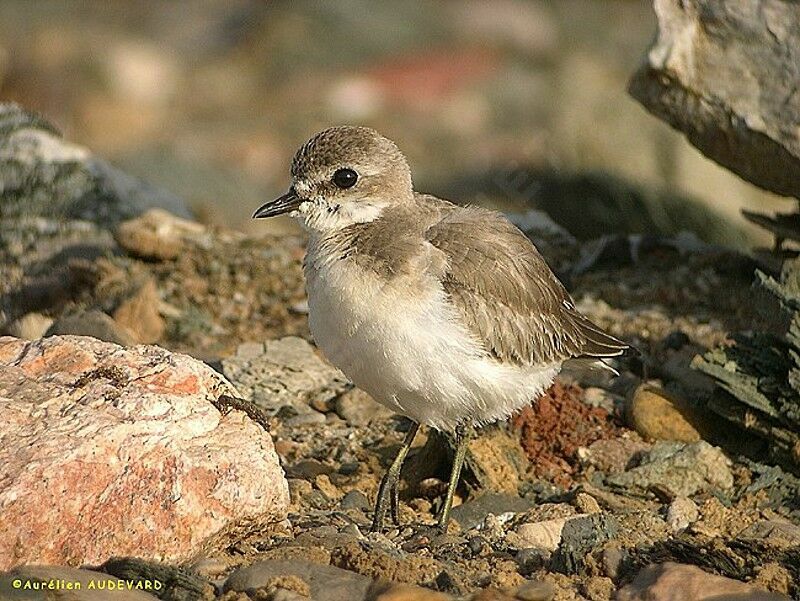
x: 508, y: 296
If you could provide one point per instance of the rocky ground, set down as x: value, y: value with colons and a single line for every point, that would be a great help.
x: 570, y: 500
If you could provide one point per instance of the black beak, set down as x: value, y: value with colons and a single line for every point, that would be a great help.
x: 284, y: 204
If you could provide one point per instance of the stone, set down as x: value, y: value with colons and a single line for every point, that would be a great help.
x: 612, y: 559
x: 383, y: 591
x: 580, y: 537
x: 657, y: 415
x: 678, y: 469
x: 531, y: 560
x: 72, y: 584
x: 210, y: 567
x: 614, y: 455
x: 30, y: 326
x: 158, y: 235
x: 724, y: 74
x: 139, y: 314
x: 472, y: 513
x: 496, y: 461
x: 357, y: 408
x: 283, y: 372
x: 305, y: 419
x: 542, y: 535
x: 47, y: 176
x: 536, y: 590
x: 677, y: 582
x: 177, y: 582
x: 140, y: 446
x: 324, y: 581
x: 92, y: 323
x: 355, y: 499
x: 775, y: 532
x: 586, y: 503
x: 681, y: 513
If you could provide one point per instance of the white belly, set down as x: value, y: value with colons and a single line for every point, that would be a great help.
x: 406, y: 346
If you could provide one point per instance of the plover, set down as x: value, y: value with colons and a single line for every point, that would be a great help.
x: 446, y: 314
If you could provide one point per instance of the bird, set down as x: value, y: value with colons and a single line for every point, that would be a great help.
x: 446, y: 314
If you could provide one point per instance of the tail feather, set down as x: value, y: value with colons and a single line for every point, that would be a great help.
x: 598, y: 343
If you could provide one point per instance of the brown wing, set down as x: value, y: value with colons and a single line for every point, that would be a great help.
x: 507, y: 294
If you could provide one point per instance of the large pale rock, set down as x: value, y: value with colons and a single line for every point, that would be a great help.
x: 110, y: 451
x: 725, y: 74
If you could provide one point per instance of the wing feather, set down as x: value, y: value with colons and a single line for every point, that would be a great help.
x: 507, y: 295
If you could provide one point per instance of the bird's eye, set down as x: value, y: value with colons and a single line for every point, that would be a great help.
x: 345, y: 178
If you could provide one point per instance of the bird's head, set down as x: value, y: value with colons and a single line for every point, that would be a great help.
x: 343, y: 175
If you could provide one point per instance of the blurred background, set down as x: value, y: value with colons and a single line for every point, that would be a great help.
x: 510, y: 103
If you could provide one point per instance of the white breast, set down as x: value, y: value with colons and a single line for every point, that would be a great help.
x: 404, y: 344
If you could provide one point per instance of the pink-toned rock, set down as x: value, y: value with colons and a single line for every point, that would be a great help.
x: 106, y: 450
x: 679, y: 582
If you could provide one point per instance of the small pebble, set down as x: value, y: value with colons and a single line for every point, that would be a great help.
x: 327, y: 488
x: 681, y: 513
x: 676, y: 340
x: 355, y: 499
x: 476, y: 544
x: 586, y: 503
x: 349, y: 468
x: 444, y: 540
x: 209, y: 567
x: 312, y: 418
x: 531, y: 560
x: 536, y: 590
x: 612, y: 560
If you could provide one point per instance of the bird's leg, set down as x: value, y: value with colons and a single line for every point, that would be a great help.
x: 395, y: 502
x: 462, y: 437
x: 388, y: 491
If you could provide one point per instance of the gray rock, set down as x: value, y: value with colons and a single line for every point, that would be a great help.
x: 305, y: 419
x: 92, y: 323
x: 176, y: 583
x: 68, y: 583
x: 678, y: 469
x: 326, y: 582
x: 725, y: 74
x: 355, y: 499
x: 472, y: 513
x: 532, y: 560
x: 44, y: 175
x: 776, y: 532
x: 283, y: 372
x: 357, y: 408
x: 579, y: 536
